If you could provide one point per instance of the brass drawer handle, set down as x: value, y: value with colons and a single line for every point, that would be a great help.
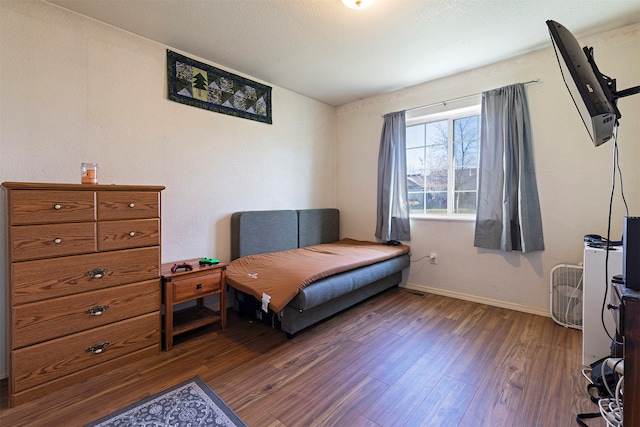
x: 57, y: 241
x: 57, y: 206
x: 97, y: 310
x: 97, y: 273
x: 98, y: 348
x: 132, y: 234
x: 132, y: 205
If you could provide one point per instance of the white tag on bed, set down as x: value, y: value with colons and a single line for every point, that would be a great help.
x: 265, y: 302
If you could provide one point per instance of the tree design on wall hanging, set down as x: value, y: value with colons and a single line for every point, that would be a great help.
x: 204, y: 86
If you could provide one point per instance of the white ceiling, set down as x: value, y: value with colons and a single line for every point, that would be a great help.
x: 322, y: 49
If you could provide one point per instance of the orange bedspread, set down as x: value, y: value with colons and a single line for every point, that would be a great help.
x: 282, y: 275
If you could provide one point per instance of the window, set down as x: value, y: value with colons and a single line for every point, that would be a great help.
x: 442, y: 163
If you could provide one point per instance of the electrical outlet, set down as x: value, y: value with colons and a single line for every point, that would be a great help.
x: 433, y: 258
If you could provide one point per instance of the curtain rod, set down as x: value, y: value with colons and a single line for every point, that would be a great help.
x: 460, y: 98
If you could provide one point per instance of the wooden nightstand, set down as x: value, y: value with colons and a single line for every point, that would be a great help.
x: 183, y: 286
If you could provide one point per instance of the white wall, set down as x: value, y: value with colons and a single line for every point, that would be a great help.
x: 574, y: 178
x: 74, y: 90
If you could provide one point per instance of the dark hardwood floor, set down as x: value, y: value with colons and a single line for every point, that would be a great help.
x: 397, y: 359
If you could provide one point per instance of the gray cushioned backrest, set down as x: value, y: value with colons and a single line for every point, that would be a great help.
x: 257, y: 232
x: 316, y: 226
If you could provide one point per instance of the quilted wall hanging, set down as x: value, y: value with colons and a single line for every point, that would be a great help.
x: 200, y: 85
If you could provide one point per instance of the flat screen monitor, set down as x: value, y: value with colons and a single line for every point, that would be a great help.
x: 597, y: 91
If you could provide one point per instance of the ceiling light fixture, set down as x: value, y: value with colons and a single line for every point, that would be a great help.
x: 357, y: 4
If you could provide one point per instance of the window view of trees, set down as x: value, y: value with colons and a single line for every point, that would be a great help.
x: 442, y: 165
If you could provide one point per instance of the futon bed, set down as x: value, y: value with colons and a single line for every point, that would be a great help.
x: 291, y: 269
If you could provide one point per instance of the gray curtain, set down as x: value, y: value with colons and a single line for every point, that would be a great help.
x: 393, y: 206
x: 508, y: 216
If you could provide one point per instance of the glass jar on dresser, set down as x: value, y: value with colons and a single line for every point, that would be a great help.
x: 83, y: 282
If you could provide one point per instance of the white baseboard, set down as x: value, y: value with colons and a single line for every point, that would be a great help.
x: 481, y: 300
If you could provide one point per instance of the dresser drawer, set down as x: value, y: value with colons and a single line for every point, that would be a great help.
x: 128, y: 234
x: 49, y: 206
x: 41, y: 363
x: 114, y: 205
x: 195, y: 286
x: 45, y: 320
x: 46, y: 241
x: 51, y: 278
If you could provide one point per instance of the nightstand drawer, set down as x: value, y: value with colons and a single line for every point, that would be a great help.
x: 48, y: 206
x: 196, y: 286
x: 47, y: 241
x: 114, y: 205
x: 128, y: 234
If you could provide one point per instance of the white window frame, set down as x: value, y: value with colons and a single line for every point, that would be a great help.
x: 450, y: 116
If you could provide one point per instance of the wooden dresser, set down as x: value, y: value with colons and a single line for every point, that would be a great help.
x: 83, y: 284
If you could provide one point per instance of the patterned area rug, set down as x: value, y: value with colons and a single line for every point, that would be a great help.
x: 191, y: 403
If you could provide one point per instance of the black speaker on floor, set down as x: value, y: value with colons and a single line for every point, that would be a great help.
x: 631, y: 246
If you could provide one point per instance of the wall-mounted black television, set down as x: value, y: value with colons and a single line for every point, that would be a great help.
x: 597, y: 91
